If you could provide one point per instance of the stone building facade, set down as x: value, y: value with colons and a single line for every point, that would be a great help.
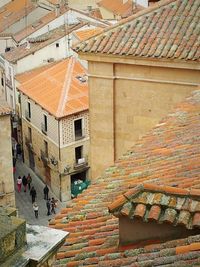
x: 137, y: 73
x: 7, y: 193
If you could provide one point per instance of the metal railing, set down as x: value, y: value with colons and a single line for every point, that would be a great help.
x: 81, y: 163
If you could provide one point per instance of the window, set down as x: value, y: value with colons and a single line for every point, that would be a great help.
x: 78, y: 153
x: 29, y: 110
x: 78, y: 132
x: 30, y: 134
x: 46, y: 148
x: 57, y: 44
x: 45, y: 123
x: 2, y: 81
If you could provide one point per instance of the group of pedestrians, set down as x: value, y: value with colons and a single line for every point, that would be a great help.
x: 51, y: 203
x: 25, y: 181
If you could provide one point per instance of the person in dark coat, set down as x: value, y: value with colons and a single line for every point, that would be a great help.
x: 29, y: 180
x: 48, y: 203
x: 33, y: 194
x: 46, y: 192
x: 53, y: 205
x: 24, y: 182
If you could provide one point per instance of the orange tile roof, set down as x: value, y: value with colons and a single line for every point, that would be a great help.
x: 168, y: 155
x: 85, y: 34
x: 160, y: 203
x: 38, y: 43
x: 118, y: 7
x: 169, y: 30
x: 57, y: 88
x: 19, y: 36
x: 13, y: 11
x: 4, y: 108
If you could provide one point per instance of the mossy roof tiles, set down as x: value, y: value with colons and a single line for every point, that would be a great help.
x: 94, y: 236
x: 169, y: 29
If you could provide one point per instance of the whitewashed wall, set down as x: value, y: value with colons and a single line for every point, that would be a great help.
x: 6, y: 42
x: 4, y: 2
x: 40, y: 57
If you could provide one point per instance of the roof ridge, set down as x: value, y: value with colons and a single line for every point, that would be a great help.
x: 134, y: 16
x: 150, y: 187
x: 66, y: 86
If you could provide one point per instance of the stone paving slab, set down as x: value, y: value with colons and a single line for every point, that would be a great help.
x: 23, y: 199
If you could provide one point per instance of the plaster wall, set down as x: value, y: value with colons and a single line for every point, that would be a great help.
x: 6, y: 42
x: 106, y: 14
x: 126, y: 101
x: 4, y: 2
x: 41, y: 56
x: 136, y: 231
x: 6, y: 173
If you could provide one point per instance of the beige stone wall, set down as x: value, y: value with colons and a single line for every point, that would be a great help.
x: 82, y: 4
x: 106, y: 14
x: 7, y: 194
x: 68, y: 127
x: 60, y: 184
x: 126, y: 100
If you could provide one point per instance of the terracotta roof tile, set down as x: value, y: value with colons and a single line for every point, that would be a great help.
x: 119, y: 7
x: 38, y: 43
x: 169, y: 29
x: 19, y: 36
x: 14, y: 11
x: 56, y: 87
x: 87, y: 33
x: 158, y: 172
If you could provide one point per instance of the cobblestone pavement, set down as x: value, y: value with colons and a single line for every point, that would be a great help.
x: 23, y: 199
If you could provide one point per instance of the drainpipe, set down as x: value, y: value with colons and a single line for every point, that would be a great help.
x: 59, y: 156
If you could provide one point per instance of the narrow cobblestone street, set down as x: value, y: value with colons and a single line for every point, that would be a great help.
x: 23, y: 199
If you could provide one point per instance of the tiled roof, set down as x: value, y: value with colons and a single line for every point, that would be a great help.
x: 4, y: 108
x: 118, y: 7
x: 13, y: 11
x: 167, y: 155
x: 37, y: 25
x: 38, y: 43
x: 169, y: 29
x: 85, y: 34
x: 58, y: 88
x: 161, y: 204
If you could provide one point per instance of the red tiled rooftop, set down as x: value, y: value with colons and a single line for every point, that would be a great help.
x: 57, y: 87
x: 118, y: 7
x: 87, y: 33
x: 14, y: 11
x: 161, y: 204
x: 168, y: 157
x: 38, y: 43
x: 168, y: 29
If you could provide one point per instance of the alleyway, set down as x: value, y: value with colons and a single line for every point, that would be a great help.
x: 23, y: 200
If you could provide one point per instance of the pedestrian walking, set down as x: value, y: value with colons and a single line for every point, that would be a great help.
x: 46, y: 192
x: 19, y: 151
x: 24, y: 182
x: 19, y: 183
x: 29, y: 181
x: 53, y: 205
x: 33, y: 194
x: 48, y: 203
x: 35, y: 208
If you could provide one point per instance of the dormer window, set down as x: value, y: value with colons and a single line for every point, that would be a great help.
x: 150, y: 214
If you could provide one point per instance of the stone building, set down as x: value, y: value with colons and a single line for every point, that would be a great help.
x: 24, y: 245
x: 54, y: 113
x: 138, y: 69
x: 7, y: 193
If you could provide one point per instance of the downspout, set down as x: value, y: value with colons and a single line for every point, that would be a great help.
x: 114, y: 114
x: 59, y: 156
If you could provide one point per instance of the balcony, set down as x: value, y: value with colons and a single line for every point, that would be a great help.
x: 44, y: 128
x: 2, y: 189
x: 27, y: 115
x: 81, y: 163
x: 79, y: 135
x: 44, y: 158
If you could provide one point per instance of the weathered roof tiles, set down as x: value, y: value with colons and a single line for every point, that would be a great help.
x: 169, y: 29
